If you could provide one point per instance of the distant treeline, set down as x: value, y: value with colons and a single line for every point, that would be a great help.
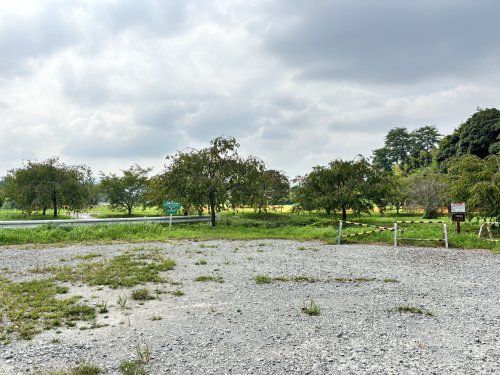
x: 414, y: 169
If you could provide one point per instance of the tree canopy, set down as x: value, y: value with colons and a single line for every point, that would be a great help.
x: 215, y: 176
x: 40, y: 185
x: 127, y: 190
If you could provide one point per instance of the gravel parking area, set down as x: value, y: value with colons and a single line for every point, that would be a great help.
x: 241, y: 327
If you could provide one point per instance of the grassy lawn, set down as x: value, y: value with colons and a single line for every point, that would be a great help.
x: 103, y: 211
x: 13, y: 214
x: 303, y: 227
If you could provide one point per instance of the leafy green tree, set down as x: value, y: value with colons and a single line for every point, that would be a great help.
x: 427, y: 190
x: 342, y: 185
x: 385, y: 189
x: 216, y: 176
x: 479, y: 135
x: 407, y: 150
x: 476, y: 181
x: 128, y: 190
x: 40, y: 185
x: 270, y: 187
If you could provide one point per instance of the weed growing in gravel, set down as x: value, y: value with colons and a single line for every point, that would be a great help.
x: 354, y: 280
x: 391, y: 281
x: 122, y: 302
x: 142, y: 294
x: 102, y: 307
x: 206, y: 278
x: 28, y: 307
x: 132, y: 368
x: 178, y: 293
x: 155, y: 317
x: 205, y: 246
x: 81, y: 369
x: 86, y: 256
x: 313, y: 309
x: 263, y: 279
x: 201, y: 262
x: 121, y: 271
x: 143, y: 354
x: 411, y: 310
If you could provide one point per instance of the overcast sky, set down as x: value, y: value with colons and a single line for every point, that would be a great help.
x: 298, y: 83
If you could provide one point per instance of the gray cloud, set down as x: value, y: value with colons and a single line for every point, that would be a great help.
x: 111, y: 83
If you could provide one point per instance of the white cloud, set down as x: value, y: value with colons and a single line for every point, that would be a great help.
x: 112, y: 83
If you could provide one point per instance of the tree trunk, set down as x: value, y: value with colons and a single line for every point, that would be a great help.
x: 44, y: 211
x: 54, y: 202
x: 328, y: 211
x: 129, y: 208
x: 344, y: 213
x: 212, y: 213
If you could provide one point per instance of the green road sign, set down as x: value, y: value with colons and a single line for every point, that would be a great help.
x: 171, y: 208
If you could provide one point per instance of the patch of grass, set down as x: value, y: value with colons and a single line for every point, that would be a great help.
x: 312, y: 309
x: 411, y: 310
x: 102, y: 307
x: 354, y: 279
x: 178, y: 293
x: 132, y: 368
x: 81, y: 369
x: 389, y: 280
x: 155, y: 318
x: 210, y: 278
x: 27, y: 308
x: 201, y: 262
x: 86, y: 256
x: 121, y: 271
x: 122, y: 302
x: 142, y: 294
x: 263, y: 279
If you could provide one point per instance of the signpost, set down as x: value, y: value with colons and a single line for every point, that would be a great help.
x: 171, y: 208
x: 457, y: 211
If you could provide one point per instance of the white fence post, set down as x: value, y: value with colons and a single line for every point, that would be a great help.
x: 445, y: 232
x: 395, y: 234
x: 339, y: 237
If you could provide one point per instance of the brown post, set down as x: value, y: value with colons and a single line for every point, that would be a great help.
x: 458, y: 226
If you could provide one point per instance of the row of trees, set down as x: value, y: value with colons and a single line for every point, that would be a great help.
x: 216, y: 177
x: 414, y: 169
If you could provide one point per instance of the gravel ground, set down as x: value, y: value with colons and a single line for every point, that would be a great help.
x: 240, y: 327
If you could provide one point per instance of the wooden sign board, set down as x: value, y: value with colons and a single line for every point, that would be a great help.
x: 457, y: 208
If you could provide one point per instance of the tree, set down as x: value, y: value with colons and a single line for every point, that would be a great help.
x: 215, y: 176
x: 476, y: 181
x: 270, y: 187
x: 385, y: 189
x: 407, y: 150
x: 479, y: 135
x: 40, y: 185
x: 341, y: 185
x: 128, y: 190
x: 427, y: 190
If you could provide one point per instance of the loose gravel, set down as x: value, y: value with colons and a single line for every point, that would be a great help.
x: 241, y: 327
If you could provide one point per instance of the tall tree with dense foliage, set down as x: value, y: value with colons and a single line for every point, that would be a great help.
x: 342, y: 185
x: 128, y: 190
x: 407, y: 150
x: 479, y: 135
x: 215, y: 176
x: 40, y: 185
x: 476, y: 181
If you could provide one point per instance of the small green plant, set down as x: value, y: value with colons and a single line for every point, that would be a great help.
x: 143, y: 354
x: 81, y: 369
x: 156, y: 317
x: 312, y: 309
x: 263, y: 279
x: 122, y: 302
x: 208, y: 278
x: 354, y: 280
x: 411, y: 310
x: 102, y: 307
x: 132, y: 368
x: 201, y: 262
x: 142, y: 294
x: 178, y: 293
x: 391, y: 281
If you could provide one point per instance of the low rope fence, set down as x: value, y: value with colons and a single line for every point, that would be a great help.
x: 395, y: 229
